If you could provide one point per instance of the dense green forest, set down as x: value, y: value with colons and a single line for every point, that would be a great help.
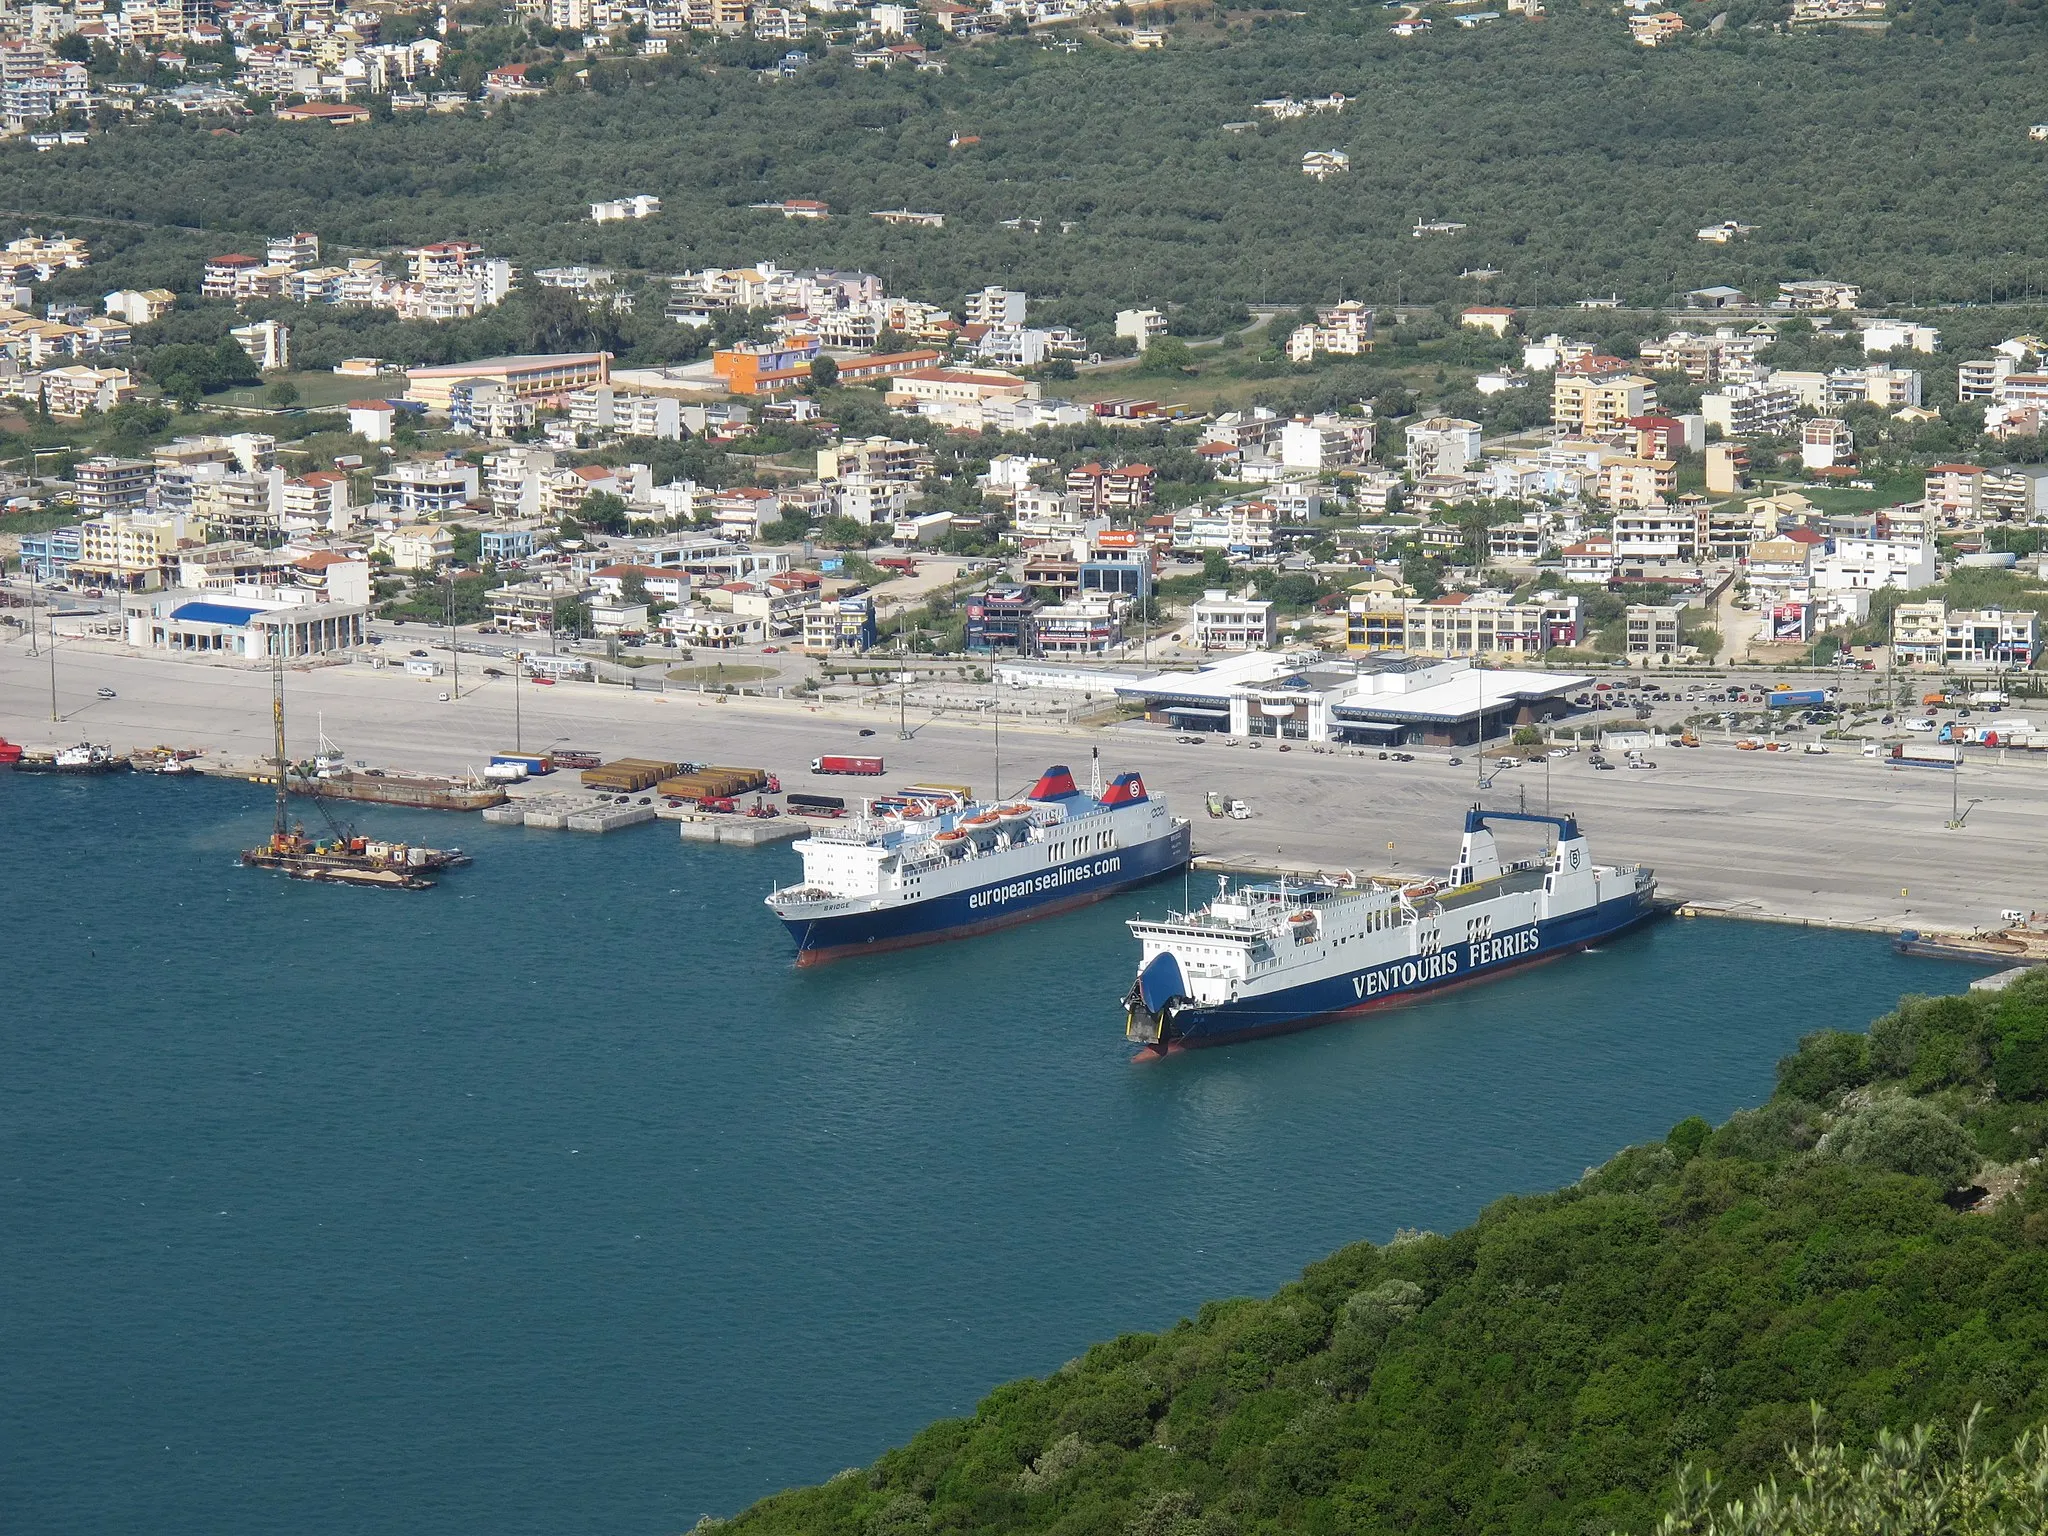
x: 1551, y: 1368
x: 1580, y: 163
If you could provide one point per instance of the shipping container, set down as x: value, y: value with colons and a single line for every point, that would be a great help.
x: 934, y: 791
x: 817, y: 805
x: 627, y: 776
x: 1798, y: 698
x: 713, y: 782
x: 868, y: 766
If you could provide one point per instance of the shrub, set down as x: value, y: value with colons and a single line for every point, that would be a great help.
x: 1931, y: 1042
x: 2019, y: 1059
x: 1826, y: 1060
x: 1905, y: 1136
x: 1926, y: 1480
x: 1765, y: 1134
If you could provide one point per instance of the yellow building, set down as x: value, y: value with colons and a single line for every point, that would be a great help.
x: 1600, y: 402
x: 1637, y: 482
x: 130, y: 550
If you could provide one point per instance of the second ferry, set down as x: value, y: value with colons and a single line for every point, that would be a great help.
x: 1271, y: 956
x: 922, y: 866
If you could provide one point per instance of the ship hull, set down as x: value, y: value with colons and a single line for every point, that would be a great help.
x: 1347, y: 993
x: 1001, y: 903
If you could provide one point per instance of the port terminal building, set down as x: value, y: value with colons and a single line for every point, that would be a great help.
x: 1382, y: 699
x: 183, y: 622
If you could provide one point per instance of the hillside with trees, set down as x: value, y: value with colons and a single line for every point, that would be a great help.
x: 1873, y: 1240
x: 1580, y: 164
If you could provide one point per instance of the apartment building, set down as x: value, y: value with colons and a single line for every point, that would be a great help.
x: 108, y: 486
x: 1442, y: 445
x: 1636, y: 483
x: 68, y: 393
x: 1933, y: 634
x: 487, y: 408
x: 1463, y: 624
x: 1343, y: 331
x: 1600, y: 402
x: 1001, y: 308
x: 1226, y: 622
x: 882, y: 458
x: 1825, y: 441
x: 130, y: 550
x: 1325, y: 442
x: 1655, y: 533
x: 1653, y: 629
x: 1241, y: 526
x: 426, y: 489
x: 1123, y: 489
x: 1752, y: 410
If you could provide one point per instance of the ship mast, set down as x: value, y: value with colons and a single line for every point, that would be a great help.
x: 280, y: 828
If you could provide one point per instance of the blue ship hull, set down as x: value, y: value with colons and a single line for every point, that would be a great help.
x: 1320, y: 1001
x: 999, y: 904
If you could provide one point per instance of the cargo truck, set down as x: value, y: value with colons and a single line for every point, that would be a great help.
x: 1900, y: 758
x: 1798, y: 698
x: 870, y: 767
x: 817, y: 805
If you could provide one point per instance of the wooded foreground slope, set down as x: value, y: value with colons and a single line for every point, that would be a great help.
x: 1550, y: 1367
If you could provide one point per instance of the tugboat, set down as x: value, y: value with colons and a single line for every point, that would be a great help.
x: 84, y: 758
x: 345, y: 859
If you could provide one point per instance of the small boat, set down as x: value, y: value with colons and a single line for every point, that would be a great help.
x: 85, y: 758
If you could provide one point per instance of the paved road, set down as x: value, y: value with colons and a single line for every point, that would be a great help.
x: 1837, y: 838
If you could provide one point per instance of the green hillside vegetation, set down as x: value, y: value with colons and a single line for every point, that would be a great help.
x: 1552, y: 1367
x: 1581, y: 164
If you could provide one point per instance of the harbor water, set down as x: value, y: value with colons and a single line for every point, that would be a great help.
x: 556, y: 1200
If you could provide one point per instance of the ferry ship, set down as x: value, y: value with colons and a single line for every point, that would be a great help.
x: 1272, y: 956
x: 925, y: 865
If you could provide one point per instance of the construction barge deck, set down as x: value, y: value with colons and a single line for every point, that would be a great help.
x: 420, y: 790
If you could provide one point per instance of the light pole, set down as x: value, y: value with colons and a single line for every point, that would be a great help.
x: 518, y: 725
x: 454, y: 651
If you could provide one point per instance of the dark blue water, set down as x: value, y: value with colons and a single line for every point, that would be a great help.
x: 555, y: 1201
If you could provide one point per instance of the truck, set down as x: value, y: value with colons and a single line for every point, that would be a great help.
x: 870, y: 767
x: 1900, y: 758
x: 535, y: 763
x: 1989, y: 696
x: 1798, y: 698
x: 1237, y: 810
x: 817, y: 805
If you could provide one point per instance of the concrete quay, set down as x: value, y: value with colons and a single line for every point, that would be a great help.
x: 1836, y: 839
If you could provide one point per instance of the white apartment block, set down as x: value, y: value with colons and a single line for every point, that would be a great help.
x: 1002, y: 308
x: 1850, y: 564
x: 1224, y: 622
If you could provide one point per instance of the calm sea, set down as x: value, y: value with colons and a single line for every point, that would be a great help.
x: 554, y: 1200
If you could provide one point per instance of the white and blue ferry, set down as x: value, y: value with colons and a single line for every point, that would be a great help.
x: 922, y: 866
x: 1271, y: 956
